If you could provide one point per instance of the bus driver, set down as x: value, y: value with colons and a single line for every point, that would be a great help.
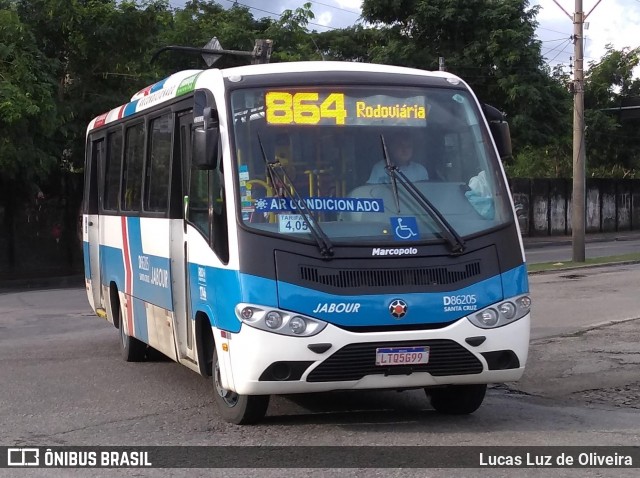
x: 400, y: 154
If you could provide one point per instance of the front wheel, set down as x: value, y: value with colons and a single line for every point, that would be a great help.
x: 457, y: 399
x: 234, y: 408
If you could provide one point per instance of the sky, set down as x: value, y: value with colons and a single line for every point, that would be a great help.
x: 609, y: 22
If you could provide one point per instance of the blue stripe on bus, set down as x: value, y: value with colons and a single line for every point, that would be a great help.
x: 157, y: 86
x: 130, y: 108
x: 515, y: 281
x: 112, y: 270
x: 217, y: 291
x: 112, y: 266
x: 373, y: 310
x: 422, y: 308
x: 151, y: 274
x: 233, y: 287
x: 87, y: 263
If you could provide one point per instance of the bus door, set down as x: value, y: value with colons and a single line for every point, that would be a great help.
x: 183, y: 325
x: 91, y: 222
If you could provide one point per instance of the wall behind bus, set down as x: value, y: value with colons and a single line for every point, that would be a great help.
x: 544, y: 205
x: 39, y: 229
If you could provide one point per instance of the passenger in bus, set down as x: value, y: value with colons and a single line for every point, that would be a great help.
x: 400, y: 151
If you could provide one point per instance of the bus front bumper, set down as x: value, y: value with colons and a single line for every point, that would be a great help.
x: 256, y: 362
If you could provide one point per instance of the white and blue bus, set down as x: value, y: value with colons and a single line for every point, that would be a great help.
x: 256, y: 225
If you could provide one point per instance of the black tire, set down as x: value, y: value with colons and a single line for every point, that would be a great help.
x: 457, y: 399
x: 132, y: 349
x: 234, y: 408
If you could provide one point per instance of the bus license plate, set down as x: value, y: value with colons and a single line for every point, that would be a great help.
x: 402, y: 356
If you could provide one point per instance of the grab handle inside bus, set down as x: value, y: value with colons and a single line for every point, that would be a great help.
x: 205, y: 141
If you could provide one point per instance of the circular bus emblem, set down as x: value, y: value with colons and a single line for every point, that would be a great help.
x: 398, y: 308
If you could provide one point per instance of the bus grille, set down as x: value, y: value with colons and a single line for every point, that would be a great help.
x: 416, y: 276
x: 354, y: 361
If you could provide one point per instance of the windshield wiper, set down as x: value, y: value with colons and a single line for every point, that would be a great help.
x: 391, y: 169
x: 275, y: 168
x: 449, y: 233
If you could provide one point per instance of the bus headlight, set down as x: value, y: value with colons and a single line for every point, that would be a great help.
x: 297, y: 325
x: 273, y: 320
x: 278, y: 321
x: 508, y: 310
x: 488, y: 317
x: 502, y: 313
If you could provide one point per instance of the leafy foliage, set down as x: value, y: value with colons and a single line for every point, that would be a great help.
x: 62, y: 62
x: 490, y: 44
x: 27, y: 106
x: 613, y: 145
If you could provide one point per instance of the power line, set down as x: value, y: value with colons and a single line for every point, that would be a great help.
x: 338, y: 8
x: 277, y: 14
x: 560, y: 52
x: 562, y: 47
x: 554, y: 31
x: 559, y: 39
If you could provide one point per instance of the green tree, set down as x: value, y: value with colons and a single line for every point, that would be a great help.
x: 613, y: 145
x: 489, y: 43
x: 28, y: 114
x: 101, y: 50
x: 355, y: 43
x: 198, y: 22
x: 291, y: 38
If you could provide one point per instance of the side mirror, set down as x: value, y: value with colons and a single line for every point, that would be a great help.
x: 500, y: 131
x: 205, y: 141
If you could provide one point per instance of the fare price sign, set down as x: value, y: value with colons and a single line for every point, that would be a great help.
x: 337, y: 108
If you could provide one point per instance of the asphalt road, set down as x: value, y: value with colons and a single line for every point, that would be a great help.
x: 64, y: 383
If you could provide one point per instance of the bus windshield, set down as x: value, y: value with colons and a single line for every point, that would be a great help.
x: 338, y: 151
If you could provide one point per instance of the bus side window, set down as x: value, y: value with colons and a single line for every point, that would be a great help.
x: 133, y: 159
x: 112, y: 172
x: 220, y: 231
x: 207, y: 209
x: 159, y: 165
x: 199, y: 201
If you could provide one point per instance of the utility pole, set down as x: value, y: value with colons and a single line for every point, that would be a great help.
x: 578, y: 201
x: 579, y: 174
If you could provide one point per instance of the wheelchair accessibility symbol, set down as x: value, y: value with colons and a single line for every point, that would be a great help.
x: 404, y: 228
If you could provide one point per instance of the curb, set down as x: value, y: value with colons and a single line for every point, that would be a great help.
x: 528, y: 243
x: 586, y: 266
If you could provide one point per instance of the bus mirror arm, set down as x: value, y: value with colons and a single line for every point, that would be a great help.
x: 205, y: 141
x: 499, y: 130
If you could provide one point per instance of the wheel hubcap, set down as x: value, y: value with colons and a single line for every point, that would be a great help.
x: 123, y: 335
x: 230, y: 398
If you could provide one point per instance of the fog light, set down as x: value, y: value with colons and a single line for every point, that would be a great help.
x: 273, y: 320
x: 297, y: 325
x: 508, y: 310
x: 488, y: 317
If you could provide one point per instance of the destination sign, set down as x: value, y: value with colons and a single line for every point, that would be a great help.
x: 337, y: 108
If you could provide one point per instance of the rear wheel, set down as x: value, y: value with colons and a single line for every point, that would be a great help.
x: 132, y: 349
x: 234, y: 408
x: 457, y: 399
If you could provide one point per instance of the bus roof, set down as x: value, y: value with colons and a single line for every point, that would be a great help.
x: 323, y: 66
x: 185, y: 81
